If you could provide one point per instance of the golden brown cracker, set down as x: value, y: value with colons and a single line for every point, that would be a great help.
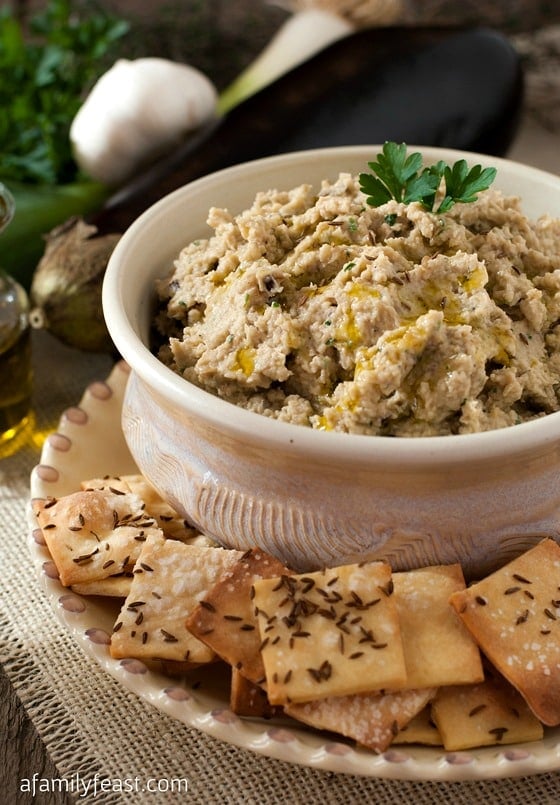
x: 372, y: 720
x: 249, y: 699
x: 438, y: 649
x: 171, y: 523
x: 329, y: 633
x: 225, y: 620
x: 420, y: 730
x: 111, y: 587
x: 170, y: 578
x: 488, y: 713
x: 514, y: 615
x: 94, y: 534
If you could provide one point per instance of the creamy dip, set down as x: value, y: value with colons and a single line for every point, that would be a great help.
x: 317, y: 309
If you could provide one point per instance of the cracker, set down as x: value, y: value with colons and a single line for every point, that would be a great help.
x: 225, y: 620
x: 111, y: 587
x: 171, y: 523
x: 94, y: 534
x: 248, y: 699
x: 420, y: 730
x: 491, y: 712
x: 329, y: 633
x: 170, y: 578
x: 373, y: 720
x: 438, y: 649
x: 514, y: 615
x: 116, y: 483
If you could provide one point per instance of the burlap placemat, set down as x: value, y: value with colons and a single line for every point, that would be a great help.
x: 92, y: 726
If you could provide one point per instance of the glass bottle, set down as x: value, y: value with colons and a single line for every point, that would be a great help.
x: 15, y: 364
x: 15, y: 351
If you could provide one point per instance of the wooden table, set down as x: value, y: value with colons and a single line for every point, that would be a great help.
x: 22, y: 752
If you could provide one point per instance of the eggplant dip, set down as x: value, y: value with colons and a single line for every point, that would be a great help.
x: 318, y: 309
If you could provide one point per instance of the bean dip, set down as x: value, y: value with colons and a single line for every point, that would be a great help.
x: 317, y: 309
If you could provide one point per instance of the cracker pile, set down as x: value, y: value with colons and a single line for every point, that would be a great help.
x: 377, y: 656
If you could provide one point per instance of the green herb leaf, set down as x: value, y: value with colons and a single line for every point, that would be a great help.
x: 394, y: 170
x: 44, y: 74
x: 462, y: 184
x: 424, y: 187
x: 401, y: 177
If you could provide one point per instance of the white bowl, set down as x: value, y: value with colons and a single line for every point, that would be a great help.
x: 318, y: 498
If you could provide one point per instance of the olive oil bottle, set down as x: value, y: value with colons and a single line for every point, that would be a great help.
x: 15, y: 350
x: 15, y: 364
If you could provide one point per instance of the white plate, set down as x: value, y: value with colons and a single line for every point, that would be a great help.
x: 89, y: 443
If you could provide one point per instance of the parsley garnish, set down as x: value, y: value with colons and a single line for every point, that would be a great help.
x: 45, y: 68
x: 400, y: 176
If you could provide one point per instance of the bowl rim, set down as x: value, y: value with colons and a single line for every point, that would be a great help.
x: 254, y: 428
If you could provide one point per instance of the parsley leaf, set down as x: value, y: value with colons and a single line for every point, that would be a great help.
x: 462, y: 184
x: 401, y: 177
x: 45, y: 69
x: 395, y: 170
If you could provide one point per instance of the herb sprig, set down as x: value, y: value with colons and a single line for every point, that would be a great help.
x: 45, y: 69
x: 400, y: 176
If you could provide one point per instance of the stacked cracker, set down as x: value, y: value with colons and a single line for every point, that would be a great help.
x: 117, y: 537
x: 377, y: 656
x: 358, y: 650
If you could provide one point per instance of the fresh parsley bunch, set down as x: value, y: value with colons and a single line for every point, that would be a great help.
x: 45, y: 69
x: 400, y: 176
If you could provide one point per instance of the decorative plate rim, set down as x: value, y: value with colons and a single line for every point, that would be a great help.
x: 76, y: 443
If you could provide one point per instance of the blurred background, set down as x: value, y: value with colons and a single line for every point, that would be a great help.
x: 222, y: 37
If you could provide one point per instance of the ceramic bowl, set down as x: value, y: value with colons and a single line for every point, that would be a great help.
x: 318, y: 498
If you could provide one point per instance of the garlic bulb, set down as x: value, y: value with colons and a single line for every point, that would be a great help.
x: 137, y: 110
